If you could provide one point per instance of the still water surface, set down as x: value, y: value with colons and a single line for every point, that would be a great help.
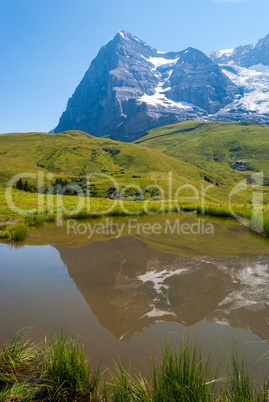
x: 121, y: 295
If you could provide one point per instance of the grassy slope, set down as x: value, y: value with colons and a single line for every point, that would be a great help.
x: 214, y: 147
x: 76, y: 154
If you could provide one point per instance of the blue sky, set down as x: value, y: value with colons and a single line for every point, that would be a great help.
x: 46, y: 46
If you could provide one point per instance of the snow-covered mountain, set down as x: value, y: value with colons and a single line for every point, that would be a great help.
x: 248, y: 68
x: 130, y: 88
x: 244, y: 56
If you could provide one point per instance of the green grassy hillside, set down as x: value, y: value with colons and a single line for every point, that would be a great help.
x: 75, y: 154
x: 194, y: 154
x: 224, y: 151
x: 198, y: 154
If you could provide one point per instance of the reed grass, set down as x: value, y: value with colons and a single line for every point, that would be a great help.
x: 66, y: 371
x: 215, y: 210
x: 4, y: 234
x: 17, y: 392
x: 34, y: 220
x: 17, y: 232
x: 182, y: 375
x: 80, y: 215
x: 39, y: 219
x: 123, y: 387
x: 239, y: 387
x: 118, y: 211
x: 18, y: 358
x: 59, y: 371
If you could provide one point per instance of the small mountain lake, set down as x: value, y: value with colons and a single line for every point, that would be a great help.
x: 124, y: 283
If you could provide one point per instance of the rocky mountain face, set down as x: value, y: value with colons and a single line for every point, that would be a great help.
x: 130, y: 88
x: 198, y: 80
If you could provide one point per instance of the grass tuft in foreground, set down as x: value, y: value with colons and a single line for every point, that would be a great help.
x: 123, y: 387
x: 239, y: 386
x: 66, y: 371
x: 17, y: 392
x: 17, y: 359
x: 182, y: 375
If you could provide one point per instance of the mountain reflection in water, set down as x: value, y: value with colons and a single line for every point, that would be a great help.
x: 126, y: 293
x: 130, y: 287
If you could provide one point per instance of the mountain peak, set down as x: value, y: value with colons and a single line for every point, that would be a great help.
x: 125, y: 34
x: 125, y: 37
x: 263, y: 41
x: 193, y: 56
x: 244, y: 56
x: 131, y: 87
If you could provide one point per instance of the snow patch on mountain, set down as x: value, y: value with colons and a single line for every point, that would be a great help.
x: 225, y: 52
x: 160, y: 61
x: 158, y: 98
x: 254, y: 82
x: 260, y: 68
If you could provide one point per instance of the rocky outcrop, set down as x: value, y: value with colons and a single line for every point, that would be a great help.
x: 198, y: 80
